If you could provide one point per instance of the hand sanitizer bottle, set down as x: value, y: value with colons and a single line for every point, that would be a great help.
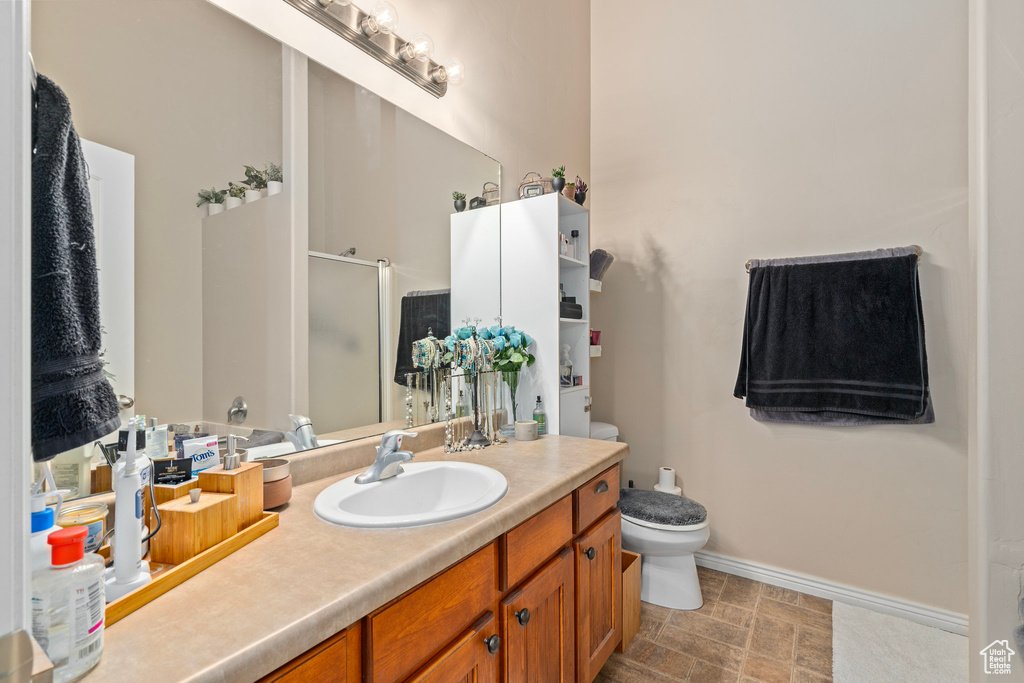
x: 68, y: 605
x: 540, y: 417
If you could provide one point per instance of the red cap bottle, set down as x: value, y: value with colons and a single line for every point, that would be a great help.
x: 67, y: 545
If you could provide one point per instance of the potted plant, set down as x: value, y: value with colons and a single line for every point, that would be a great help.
x: 214, y: 198
x: 581, y: 191
x: 460, y: 201
x: 569, y: 191
x: 558, y: 178
x: 236, y: 193
x: 257, y: 182
x: 275, y: 178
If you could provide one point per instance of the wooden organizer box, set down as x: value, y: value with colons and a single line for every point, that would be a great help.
x: 195, y: 536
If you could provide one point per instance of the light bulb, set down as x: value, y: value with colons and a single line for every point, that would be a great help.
x: 421, y: 48
x: 340, y: 3
x: 386, y: 16
x: 456, y: 71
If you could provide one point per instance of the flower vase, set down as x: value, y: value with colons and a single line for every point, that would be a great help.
x: 252, y: 196
x: 274, y: 187
x: 232, y: 202
x: 215, y: 209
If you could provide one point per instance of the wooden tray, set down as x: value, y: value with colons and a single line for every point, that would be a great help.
x: 166, y: 576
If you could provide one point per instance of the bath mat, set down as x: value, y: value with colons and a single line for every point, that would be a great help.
x: 868, y: 647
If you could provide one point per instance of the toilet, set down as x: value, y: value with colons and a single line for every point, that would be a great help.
x: 665, y: 530
x: 603, y: 431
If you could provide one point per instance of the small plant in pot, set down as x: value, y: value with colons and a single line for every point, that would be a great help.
x: 275, y: 178
x: 460, y: 201
x: 581, y: 191
x: 257, y: 183
x: 213, y: 198
x: 236, y: 193
x: 569, y: 192
x: 558, y: 178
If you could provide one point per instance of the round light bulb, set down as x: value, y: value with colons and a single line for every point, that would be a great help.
x: 386, y: 16
x: 456, y: 71
x: 421, y: 48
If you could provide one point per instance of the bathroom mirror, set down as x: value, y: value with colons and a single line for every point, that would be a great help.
x: 297, y: 300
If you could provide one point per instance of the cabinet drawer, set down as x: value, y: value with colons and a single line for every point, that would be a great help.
x: 531, y: 543
x: 596, y: 497
x: 405, y: 634
x: 473, y: 656
x: 336, y: 660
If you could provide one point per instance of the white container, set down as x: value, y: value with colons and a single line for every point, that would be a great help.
x: 526, y: 430
x: 232, y: 202
x: 68, y: 606
x: 252, y: 196
x: 215, y: 209
x: 71, y: 471
x: 263, y: 192
x: 274, y: 187
x: 42, y: 526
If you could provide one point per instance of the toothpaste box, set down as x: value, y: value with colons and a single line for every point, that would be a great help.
x: 203, y: 451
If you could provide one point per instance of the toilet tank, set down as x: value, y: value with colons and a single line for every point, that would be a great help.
x: 603, y: 431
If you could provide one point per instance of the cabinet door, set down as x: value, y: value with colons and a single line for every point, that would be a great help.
x: 537, y: 626
x: 574, y: 413
x: 471, y: 658
x: 598, y: 595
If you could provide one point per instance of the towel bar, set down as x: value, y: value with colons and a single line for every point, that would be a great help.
x: 917, y: 250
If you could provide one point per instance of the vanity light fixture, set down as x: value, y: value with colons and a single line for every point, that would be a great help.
x: 373, y: 32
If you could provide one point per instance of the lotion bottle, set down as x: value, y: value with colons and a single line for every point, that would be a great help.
x: 68, y: 605
x: 541, y: 417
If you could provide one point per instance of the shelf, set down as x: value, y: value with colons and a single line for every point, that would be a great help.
x: 595, y: 351
x: 595, y: 285
x: 573, y: 321
x: 568, y: 207
x: 570, y: 262
x: 570, y: 390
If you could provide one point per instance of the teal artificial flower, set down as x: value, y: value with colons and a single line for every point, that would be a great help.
x: 499, y: 343
x: 495, y: 331
x: 449, y: 341
x: 516, y: 340
x: 508, y: 330
x: 484, y: 333
x: 527, y: 340
x: 464, y: 332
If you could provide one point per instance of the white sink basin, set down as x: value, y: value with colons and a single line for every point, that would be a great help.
x: 275, y: 450
x: 424, y: 493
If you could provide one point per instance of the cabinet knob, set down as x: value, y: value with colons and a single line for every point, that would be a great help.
x: 602, y: 487
x: 590, y: 553
x: 523, y: 616
x: 493, y: 644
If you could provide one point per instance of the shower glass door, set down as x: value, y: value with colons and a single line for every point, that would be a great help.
x: 344, y: 344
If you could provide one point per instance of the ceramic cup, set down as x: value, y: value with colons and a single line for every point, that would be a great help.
x: 526, y: 430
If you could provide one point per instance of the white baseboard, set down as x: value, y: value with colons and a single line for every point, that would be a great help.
x: 946, y: 620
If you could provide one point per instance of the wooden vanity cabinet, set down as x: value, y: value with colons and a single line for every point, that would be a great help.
x: 542, y: 603
x: 598, y: 555
x: 538, y: 628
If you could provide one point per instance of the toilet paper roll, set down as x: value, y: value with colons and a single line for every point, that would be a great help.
x: 675, y: 490
x: 666, y: 478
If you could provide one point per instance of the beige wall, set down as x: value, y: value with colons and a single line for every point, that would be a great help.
x: 526, y: 99
x: 1001, y: 369
x: 782, y: 129
x: 193, y: 94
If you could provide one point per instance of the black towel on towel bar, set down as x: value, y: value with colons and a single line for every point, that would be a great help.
x: 836, y: 340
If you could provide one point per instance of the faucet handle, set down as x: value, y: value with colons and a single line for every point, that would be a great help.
x: 392, y: 440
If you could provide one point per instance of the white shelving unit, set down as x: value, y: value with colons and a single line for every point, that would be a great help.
x: 531, y: 271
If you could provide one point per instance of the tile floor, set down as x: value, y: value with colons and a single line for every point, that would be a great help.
x: 746, y: 631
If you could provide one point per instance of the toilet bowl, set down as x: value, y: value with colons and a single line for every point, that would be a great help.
x: 665, y: 530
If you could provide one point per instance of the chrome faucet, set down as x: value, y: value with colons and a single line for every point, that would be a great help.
x: 389, y: 458
x: 302, y: 435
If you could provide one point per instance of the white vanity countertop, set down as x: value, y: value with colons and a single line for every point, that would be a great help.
x: 307, y: 580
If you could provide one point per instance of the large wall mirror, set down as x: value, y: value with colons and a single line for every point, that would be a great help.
x: 297, y: 302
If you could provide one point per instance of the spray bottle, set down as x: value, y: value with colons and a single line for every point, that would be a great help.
x: 129, y: 571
